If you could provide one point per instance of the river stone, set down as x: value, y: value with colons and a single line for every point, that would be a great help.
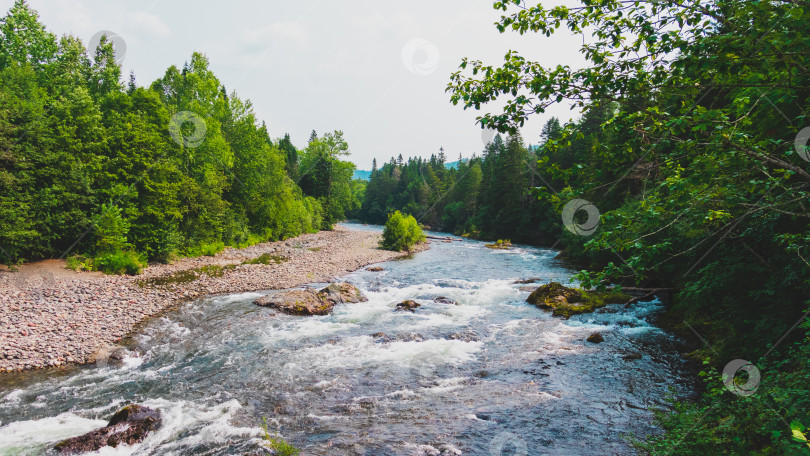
x: 308, y: 301
x: 527, y: 281
x: 128, y: 426
x: 595, y: 338
x: 549, y: 296
x: 408, y: 305
x: 339, y: 293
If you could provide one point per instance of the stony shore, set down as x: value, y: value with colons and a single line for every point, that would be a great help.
x: 55, y: 317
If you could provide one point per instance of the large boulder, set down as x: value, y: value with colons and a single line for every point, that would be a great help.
x: 565, y: 302
x: 308, y: 301
x: 549, y: 296
x: 339, y: 293
x: 128, y: 426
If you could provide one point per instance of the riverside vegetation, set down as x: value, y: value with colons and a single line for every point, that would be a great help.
x: 88, y: 163
x: 689, y: 145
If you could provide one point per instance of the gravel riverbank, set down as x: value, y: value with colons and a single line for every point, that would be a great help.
x: 52, y: 317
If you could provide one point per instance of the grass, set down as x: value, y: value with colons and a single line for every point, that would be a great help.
x: 278, y: 445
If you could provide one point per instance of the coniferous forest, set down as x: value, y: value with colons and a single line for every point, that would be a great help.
x: 691, y: 148
x: 92, y: 162
x: 686, y: 172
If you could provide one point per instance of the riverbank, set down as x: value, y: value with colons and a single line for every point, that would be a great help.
x: 51, y: 317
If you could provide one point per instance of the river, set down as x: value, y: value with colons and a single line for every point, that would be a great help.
x: 492, y: 375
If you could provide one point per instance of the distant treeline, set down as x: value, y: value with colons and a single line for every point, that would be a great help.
x: 182, y: 166
x: 485, y: 197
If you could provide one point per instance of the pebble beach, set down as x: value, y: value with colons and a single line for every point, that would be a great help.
x: 52, y: 317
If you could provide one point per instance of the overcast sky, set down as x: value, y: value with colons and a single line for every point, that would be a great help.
x: 376, y: 70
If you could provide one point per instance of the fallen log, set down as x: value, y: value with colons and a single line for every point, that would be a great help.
x: 442, y: 238
x: 649, y: 294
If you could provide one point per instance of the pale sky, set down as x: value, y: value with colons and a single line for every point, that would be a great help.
x: 376, y: 70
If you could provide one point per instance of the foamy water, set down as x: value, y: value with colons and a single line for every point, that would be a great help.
x: 489, y: 374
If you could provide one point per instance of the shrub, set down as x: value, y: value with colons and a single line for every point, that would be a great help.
x: 119, y: 262
x: 205, y: 249
x: 111, y: 230
x: 79, y: 263
x: 401, y: 232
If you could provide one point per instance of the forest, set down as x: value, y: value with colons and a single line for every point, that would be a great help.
x: 690, y: 151
x: 93, y: 165
x: 692, y: 148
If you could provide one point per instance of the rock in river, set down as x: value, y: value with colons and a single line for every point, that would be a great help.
x: 308, y: 301
x: 595, y: 338
x: 565, y: 302
x: 408, y: 305
x: 128, y: 426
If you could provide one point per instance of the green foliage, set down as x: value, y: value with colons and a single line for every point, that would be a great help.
x: 328, y: 179
x: 205, y: 249
x: 401, y: 232
x: 79, y: 263
x: 119, y: 262
x: 488, y: 196
x: 687, y: 148
x: 278, y: 445
x: 75, y: 142
x: 111, y: 230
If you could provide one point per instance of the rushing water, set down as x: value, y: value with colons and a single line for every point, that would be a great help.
x: 490, y: 376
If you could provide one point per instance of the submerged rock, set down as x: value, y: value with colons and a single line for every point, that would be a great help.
x: 128, y: 426
x: 375, y: 269
x: 527, y: 281
x: 445, y: 300
x: 408, y: 305
x: 565, y: 302
x: 595, y: 338
x: 308, y: 301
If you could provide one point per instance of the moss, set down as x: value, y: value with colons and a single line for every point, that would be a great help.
x: 189, y: 275
x: 266, y: 258
x: 565, y: 302
x: 500, y: 244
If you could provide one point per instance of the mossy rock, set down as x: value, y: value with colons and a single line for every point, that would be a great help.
x: 565, y: 302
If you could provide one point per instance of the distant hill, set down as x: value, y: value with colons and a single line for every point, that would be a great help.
x: 361, y: 174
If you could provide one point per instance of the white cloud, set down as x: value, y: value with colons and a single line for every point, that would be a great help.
x: 274, y: 33
x: 151, y: 23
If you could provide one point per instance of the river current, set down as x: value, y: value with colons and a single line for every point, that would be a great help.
x: 492, y: 375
